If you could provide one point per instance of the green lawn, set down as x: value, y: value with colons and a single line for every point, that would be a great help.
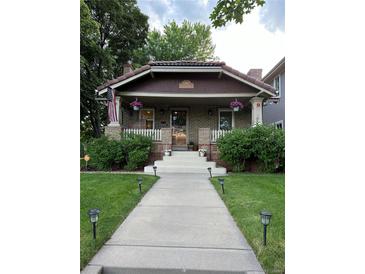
x: 245, y: 196
x: 115, y: 195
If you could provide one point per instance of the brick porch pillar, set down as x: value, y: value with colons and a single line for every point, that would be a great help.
x: 166, y: 138
x: 204, y: 140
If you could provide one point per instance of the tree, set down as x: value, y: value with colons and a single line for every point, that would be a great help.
x: 232, y: 10
x: 109, y: 32
x: 186, y: 42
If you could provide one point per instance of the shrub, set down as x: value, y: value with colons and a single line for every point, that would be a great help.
x: 105, y: 153
x: 234, y: 148
x: 266, y: 144
x: 137, y: 148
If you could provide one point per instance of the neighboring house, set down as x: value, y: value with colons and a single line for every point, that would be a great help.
x: 274, y: 109
x: 185, y: 102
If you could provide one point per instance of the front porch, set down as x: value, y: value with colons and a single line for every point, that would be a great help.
x: 183, y: 119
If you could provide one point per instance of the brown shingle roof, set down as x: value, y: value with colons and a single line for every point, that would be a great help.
x: 223, y: 65
x: 187, y: 63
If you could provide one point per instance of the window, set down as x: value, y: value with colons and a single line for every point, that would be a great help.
x: 278, y: 124
x: 147, y: 118
x: 225, y: 119
x: 277, y: 85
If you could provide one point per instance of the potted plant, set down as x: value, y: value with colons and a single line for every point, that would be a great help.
x: 202, y: 152
x: 136, y: 105
x: 191, y: 146
x: 236, y: 105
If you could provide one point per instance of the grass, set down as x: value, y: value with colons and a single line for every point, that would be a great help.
x: 245, y: 196
x: 115, y: 195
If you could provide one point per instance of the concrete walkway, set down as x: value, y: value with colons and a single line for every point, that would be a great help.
x: 181, y: 225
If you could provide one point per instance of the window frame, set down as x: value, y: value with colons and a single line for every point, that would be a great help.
x: 219, y: 116
x: 279, y: 84
x: 280, y: 122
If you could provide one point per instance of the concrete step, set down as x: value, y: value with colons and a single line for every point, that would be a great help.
x: 181, y: 162
x: 186, y: 153
x: 184, y: 158
x: 186, y: 169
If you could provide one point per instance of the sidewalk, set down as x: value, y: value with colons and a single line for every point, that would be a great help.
x: 181, y: 225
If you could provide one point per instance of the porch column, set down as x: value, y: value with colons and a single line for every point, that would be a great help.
x: 166, y: 138
x: 204, y: 140
x: 113, y: 130
x: 256, y: 110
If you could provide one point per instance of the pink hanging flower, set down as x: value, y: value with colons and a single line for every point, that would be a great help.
x: 235, y: 104
x: 136, y: 103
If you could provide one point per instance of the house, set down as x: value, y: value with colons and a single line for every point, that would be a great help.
x: 185, y: 102
x: 274, y: 109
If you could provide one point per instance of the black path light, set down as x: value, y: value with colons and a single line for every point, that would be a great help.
x: 94, y: 217
x: 265, y: 220
x: 140, y: 184
x: 221, y: 181
x: 154, y: 169
x: 210, y: 171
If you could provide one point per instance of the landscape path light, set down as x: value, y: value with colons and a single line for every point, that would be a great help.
x: 94, y: 217
x: 221, y: 182
x: 265, y: 220
x: 140, y: 184
x: 154, y: 169
x: 210, y: 171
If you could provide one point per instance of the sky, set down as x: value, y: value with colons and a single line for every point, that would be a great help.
x: 256, y: 43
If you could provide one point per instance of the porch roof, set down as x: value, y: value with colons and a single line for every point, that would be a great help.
x: 188, y: 66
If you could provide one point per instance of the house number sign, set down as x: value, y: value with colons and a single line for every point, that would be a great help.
x: 186, y: 84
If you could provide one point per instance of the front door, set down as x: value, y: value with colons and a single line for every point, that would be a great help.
x: 178, y: 124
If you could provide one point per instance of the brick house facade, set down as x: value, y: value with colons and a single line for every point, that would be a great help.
x: 185, y: 102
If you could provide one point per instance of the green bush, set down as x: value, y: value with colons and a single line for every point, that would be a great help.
x: 132, y: 152
x: 137, y: 148
x: 235, y: 148
x: 263, y: 143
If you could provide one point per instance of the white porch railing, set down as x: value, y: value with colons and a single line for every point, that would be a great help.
x: 215, y: 134
x: 154, y: 134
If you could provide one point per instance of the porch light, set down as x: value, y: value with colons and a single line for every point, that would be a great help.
x: 154, y: 169
x: 210, y: 171
x: 140, y: 184
x: 265, y: 220
x: 221, y: 182
x: 94, y: 217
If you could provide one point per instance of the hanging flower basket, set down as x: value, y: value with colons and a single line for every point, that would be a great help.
x: 236, y: 105
x: 136, y: 105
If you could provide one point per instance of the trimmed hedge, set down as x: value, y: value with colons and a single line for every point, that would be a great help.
x: 262, y: 143
x: 130, y: 153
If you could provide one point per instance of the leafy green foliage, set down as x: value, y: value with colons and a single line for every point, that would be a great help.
x: 105, y: 153
x: 109, y: 32
x: 137, y: 149
x: 185, y: 42
x: 132, y: 152
x: 263, y: 143
x: 235, y: 148
x: 232, y: 10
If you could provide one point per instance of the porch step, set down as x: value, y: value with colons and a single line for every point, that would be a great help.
x: 186, y: 169
x: 185, y: 162
x: 182, y: 162
x: 180, y: 148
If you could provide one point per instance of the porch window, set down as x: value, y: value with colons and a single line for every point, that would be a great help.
x: 225, y: 119
x: 147, y: 118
